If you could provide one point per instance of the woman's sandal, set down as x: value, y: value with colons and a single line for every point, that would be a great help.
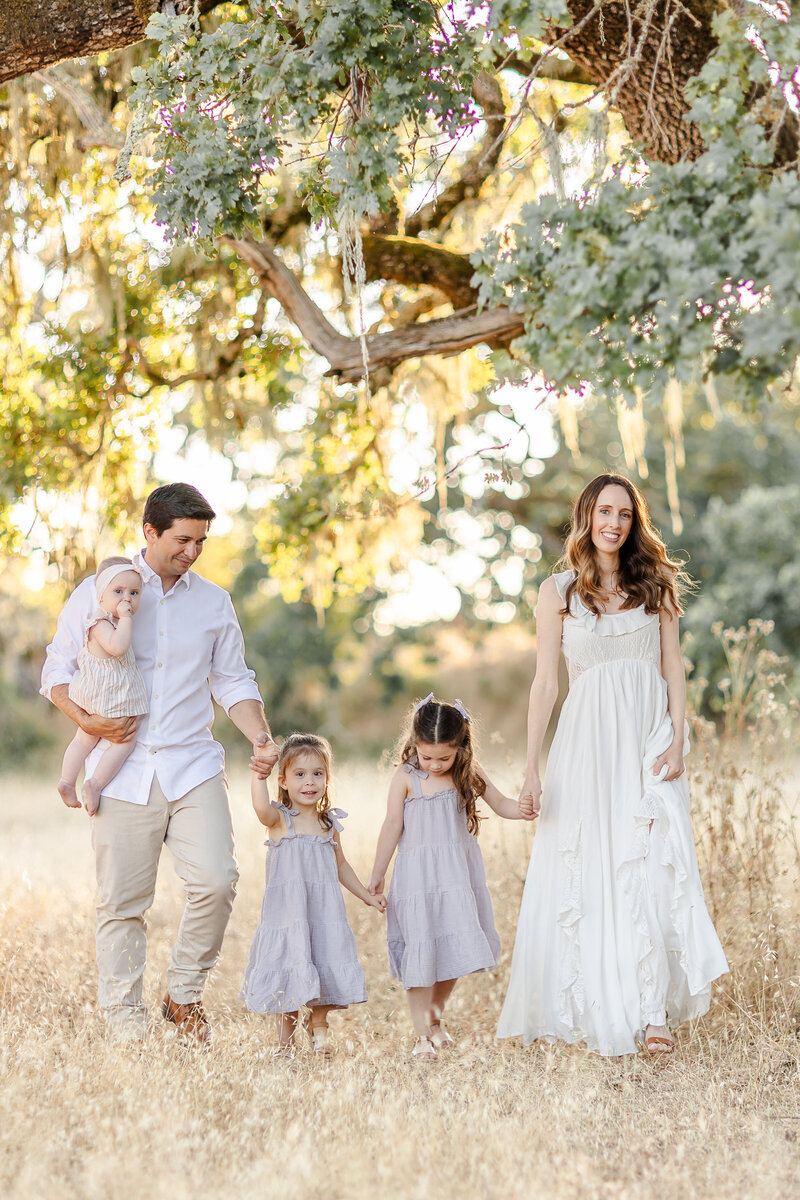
x: 440, y: 1037
x: 424, y: 1049
x: 656, y: 1045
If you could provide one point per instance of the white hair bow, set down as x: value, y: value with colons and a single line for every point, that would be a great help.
x: 457, y: 705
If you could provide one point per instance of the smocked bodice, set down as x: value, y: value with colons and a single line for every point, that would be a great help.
x: 589, y: 640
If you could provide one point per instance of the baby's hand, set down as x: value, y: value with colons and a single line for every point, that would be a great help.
x: 124, y: 609
x: 378, y: 902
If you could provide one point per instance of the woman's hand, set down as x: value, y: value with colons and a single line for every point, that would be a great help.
x: 375, y: 886
x: 530, y: 798
x: 672, y: 759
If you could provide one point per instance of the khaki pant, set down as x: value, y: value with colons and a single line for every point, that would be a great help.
x: 127, y: 840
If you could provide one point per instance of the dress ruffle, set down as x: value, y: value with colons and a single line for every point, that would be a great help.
x: 603, y: 624
x: 571, y: 992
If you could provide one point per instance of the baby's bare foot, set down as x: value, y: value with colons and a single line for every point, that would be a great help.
x: 68, y: 794
x: 91, y: 797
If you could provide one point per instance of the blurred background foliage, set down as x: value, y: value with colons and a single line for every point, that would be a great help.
x: 377, y: 542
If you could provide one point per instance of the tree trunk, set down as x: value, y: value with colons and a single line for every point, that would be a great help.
x: 648, y: 51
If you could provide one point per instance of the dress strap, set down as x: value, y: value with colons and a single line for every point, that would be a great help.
x: 288, y: 814
x: 562, y: 580
x: 416, y: 775
x: 98, y: 615
x: 337, y: 815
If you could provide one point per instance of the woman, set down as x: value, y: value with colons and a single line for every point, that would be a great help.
x: 614, y: 943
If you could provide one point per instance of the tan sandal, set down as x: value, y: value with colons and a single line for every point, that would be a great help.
x: 442, y: 1040
x: 424, y: 1049
x: 320, y: 1037
x: 657, y: 1045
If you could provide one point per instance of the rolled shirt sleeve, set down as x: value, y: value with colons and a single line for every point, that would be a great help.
x: 230, y: 678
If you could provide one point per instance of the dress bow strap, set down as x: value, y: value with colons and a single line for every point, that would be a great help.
x: 337, y: 815
x: 293, y: 812
x: 413, y: 769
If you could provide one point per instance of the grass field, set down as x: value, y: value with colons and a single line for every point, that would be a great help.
x: 82, y: 1120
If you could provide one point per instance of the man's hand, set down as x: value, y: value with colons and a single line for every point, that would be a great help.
x: 118, y: 729
x: 265, y: 755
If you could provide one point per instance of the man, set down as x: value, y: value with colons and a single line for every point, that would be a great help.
x: 189, y: 648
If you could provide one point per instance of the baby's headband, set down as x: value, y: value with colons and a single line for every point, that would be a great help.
x: 457, y: 705
x: 106, y: 577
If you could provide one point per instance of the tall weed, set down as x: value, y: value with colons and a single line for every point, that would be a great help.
x: 745, y: 824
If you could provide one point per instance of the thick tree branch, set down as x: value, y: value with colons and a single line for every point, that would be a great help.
x: 420, y: 264
x: 35, y: 34
x: 446, y: 336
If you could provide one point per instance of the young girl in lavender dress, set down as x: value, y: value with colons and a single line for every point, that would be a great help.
x: 440, y: 924
x: 304, y: 952
x: 107, y: 683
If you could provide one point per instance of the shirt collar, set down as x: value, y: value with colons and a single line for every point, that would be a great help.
x: 149, y: 574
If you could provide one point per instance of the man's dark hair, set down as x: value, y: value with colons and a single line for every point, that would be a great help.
x: 175, y: 502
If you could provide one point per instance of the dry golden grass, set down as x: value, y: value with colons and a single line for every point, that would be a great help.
x: 84, y: 1120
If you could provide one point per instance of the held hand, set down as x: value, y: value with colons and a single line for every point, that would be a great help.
x: 672, y: 760
x: 378, y: 902
x: 119, y: 729
x: 530, y: 798
x: 375, y: 886
x: 265, y: 755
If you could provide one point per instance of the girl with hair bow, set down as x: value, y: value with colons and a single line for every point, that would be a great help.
x: 303, y: 954
x: 440, y: 924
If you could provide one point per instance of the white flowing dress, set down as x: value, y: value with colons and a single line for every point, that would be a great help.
x: 613, y: 933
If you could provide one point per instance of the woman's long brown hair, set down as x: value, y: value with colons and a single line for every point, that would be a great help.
x: 307, y: 743
x: 438, y: 724
x: 647, y: 575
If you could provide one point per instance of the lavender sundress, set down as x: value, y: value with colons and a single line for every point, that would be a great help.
x: 439, y: 920
x: 303, y: 951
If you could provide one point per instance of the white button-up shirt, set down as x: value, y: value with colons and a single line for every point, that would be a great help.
x: 189, y: 647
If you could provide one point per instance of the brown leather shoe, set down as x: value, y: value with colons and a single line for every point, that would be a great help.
x: 190, y: 1019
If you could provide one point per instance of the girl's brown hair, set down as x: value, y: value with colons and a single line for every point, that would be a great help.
x: 438, y: 724
x: 307, y: 743
x: 647, y: 575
